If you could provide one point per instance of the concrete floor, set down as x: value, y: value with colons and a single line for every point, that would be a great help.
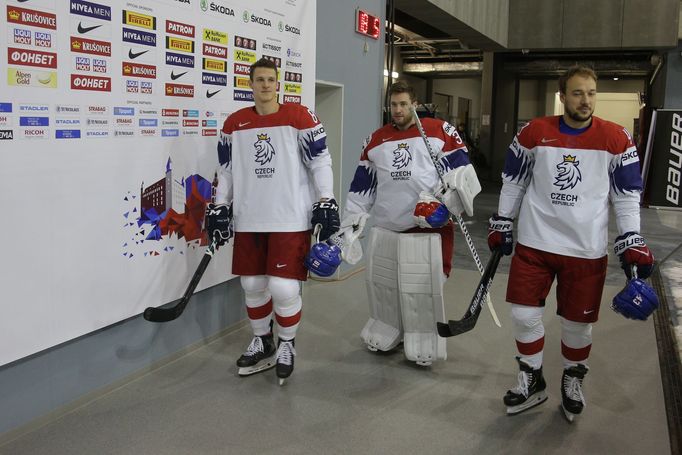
x: 343, y: 399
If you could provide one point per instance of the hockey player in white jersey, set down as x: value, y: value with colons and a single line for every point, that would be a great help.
x: 275, y: 179
x: 411, y: 243
x: 560, y: 175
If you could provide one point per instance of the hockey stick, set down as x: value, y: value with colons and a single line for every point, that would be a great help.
x: 457, y: 216
x: 152, y: 314
x: 452, y: 328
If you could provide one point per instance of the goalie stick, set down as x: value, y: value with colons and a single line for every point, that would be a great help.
x: 152, y: 314
x: 452, y: 328
x: 458, y: 217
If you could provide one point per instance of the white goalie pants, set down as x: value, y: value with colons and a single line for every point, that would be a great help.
x: 405, y: 289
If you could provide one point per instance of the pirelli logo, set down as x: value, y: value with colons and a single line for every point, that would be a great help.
x: 139, y: 20
x: 179, y: 44
x: 211, y: 64
x: 242, y: 82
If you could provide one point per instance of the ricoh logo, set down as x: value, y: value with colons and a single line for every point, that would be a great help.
x: 674, y: 174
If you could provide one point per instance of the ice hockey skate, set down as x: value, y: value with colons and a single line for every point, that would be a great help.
x: 572, y: 399
x: 285, y: 359
x: 259, y: 356
x: 529, y: 392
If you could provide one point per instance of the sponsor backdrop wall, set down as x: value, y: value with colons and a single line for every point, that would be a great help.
x: 109, y: 116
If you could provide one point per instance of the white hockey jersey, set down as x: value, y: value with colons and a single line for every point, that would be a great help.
x: 266, y: 165
x: 395, y: 167
x: 563, y: 180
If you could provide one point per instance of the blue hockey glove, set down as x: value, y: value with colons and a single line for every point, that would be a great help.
x: 218, y: 222
x: 323, y: 259
x: 500, y: 234
x: 636, y: 301
x: 326, y: 214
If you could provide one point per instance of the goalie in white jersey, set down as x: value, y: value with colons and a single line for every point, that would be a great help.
x: 275, y: 174
x: 560, y: 174
x: 411, y: 243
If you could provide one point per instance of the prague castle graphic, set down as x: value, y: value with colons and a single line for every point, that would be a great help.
x: 169, y: 206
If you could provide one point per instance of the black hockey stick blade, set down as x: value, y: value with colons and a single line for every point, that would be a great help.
x: 452, y: 327
x: 152, y: 314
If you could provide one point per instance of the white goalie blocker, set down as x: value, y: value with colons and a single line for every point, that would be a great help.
x: 458, y: 190
x: 405, y: 287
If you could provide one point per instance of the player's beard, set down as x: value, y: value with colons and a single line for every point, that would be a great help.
x: 403, y: 122
x: 575, y: 114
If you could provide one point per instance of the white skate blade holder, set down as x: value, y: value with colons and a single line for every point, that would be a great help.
x: 532, y: 401
x: 570, y: 417
x: 263, y: 365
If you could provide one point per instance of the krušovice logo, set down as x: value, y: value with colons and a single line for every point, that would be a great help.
x: 568, y: 174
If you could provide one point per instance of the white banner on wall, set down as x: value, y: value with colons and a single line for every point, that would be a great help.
x: 109, y: 117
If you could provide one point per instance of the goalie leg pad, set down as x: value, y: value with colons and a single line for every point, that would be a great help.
x: 383, y: 330
x: 420, y: 281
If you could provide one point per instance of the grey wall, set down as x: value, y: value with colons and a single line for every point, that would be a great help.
x: 39, y: 387
x: 673, y: 78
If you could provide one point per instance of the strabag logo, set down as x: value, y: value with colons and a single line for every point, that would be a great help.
x: 89, y: 9
x: 30, y: 17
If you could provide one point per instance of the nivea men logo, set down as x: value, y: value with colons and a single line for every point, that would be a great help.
x: 214, y: 79
x: 179, y: 60
x: 139, y: 37
x: 6, y: 135
x: 243, y: 95
x: 124, y: 111
x: 89, y: 9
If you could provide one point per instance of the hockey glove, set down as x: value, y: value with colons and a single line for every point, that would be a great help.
x: 326, y: 214
x: 430, y: 212
x: 323, y: 259
x: 632, y: 251
x: 500, y: 234
x: 636, y: 301
x: 218, y: 223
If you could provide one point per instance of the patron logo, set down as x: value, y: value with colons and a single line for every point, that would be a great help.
x: 27, y: 57
x: 90, y: 9
x: 94, y: 83
x: 31, y: 17
x: 90, y: 46
x: 178, y: 28
x: 179, y: 90
x: 212, y: 50
x: 242, y: 69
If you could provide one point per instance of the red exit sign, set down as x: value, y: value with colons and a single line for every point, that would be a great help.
x: 367, y: 24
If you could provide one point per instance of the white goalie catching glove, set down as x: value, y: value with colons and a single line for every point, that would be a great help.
x: 348, y: 237
x: 458, y: 190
